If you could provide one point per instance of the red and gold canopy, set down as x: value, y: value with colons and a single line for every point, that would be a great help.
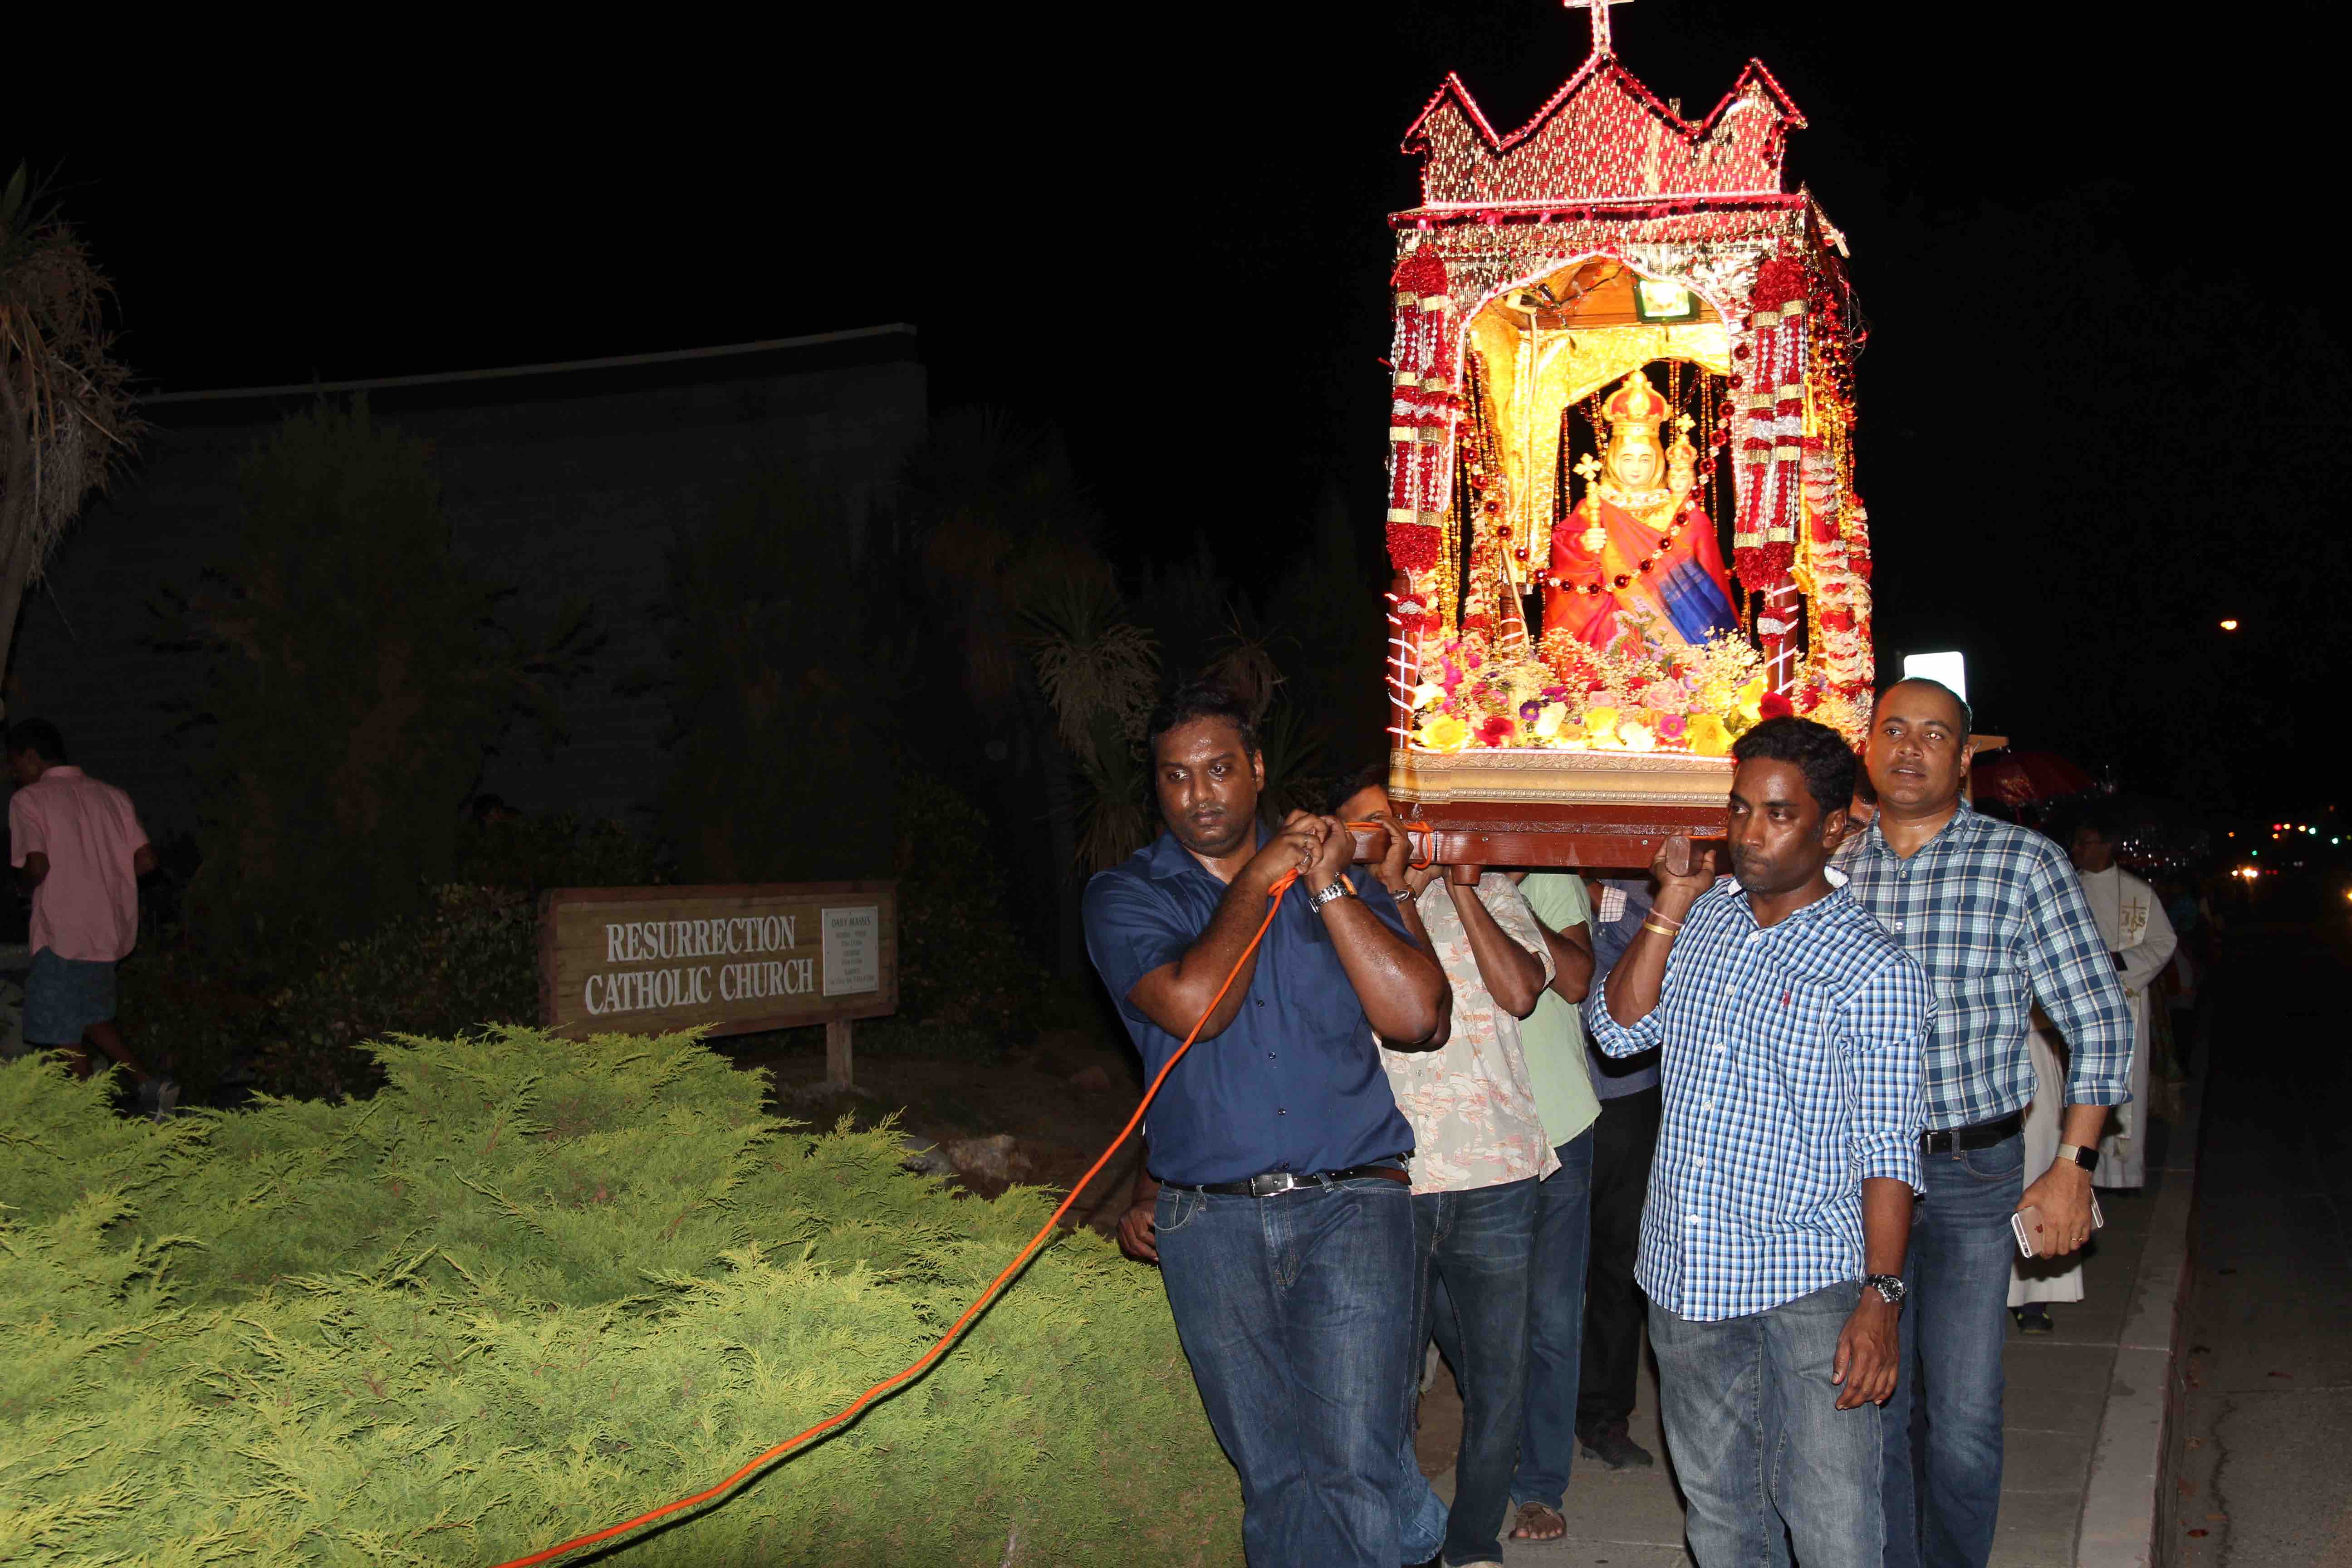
x: 1611, y: 238
x: 1568, y: 645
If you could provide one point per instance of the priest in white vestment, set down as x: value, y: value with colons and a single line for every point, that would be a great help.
x: 2139, y: 934
x: 2039, y: 1280
x: 2141, y: 937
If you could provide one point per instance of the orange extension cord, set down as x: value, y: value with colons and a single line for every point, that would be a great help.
x: 762, y: 1460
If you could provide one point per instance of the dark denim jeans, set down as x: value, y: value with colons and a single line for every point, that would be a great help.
x: 1295, y: 1312
x: 1955, y: 1321
x: 1563, y: 1230
x: 1758, y: 1441
x: 1480, y: 1244
x: 1622, y: 1141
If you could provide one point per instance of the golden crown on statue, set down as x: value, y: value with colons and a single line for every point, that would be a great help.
x: 1635, y: 402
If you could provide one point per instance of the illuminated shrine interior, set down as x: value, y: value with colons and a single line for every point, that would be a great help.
x: 1550, y: 344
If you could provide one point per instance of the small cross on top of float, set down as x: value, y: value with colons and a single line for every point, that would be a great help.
x: 1599, y: 10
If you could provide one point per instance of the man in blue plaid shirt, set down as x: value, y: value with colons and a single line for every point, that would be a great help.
x: 1997, y: 916
x: 1780, y: 1200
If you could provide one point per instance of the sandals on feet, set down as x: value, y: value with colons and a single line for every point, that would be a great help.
x: 1537, y: 1522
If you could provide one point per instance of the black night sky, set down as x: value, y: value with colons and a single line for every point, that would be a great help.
x: 2098, y: 402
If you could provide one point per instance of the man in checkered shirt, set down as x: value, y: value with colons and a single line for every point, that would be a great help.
x: 1997, y: 916
x: 1780, y: 1200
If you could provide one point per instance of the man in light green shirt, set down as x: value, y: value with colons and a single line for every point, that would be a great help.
x: 1552, y: 1037
x: 1552, y: 1041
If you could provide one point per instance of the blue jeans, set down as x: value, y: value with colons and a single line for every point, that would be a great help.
x: 1955, y: 1321
x: 1563, y: 1233
x: 1479, y: 1246
x: 1758, y: 1441
x: 1295, y: 1312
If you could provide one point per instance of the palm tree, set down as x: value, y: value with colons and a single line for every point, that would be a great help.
x: 1099, y: 670
x: 65, y: 413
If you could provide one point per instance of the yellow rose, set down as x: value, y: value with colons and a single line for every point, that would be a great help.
x: 1637, y: 735
x: 1707, y: 736
x: 1600, y: 727
x: 1444, y: 734
x: 1549, y: 717
x: 1570, y: 735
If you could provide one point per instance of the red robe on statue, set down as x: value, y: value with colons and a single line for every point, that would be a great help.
x: 1686, y: 588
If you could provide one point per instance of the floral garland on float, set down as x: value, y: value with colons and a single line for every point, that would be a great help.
x: 1621, y: 512
x: 1639, y: 693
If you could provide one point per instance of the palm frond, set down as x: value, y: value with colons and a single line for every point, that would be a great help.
x: 66, y: 418
x: 1091, y: 661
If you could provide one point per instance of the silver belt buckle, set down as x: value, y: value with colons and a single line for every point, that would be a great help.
x: 1271, y: 1183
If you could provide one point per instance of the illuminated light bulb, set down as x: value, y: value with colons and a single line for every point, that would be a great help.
x: 2230, y: 625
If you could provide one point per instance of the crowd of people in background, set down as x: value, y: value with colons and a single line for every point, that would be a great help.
x: 1799, y: 1120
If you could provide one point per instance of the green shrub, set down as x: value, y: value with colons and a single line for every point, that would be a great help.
x: 531, y: 853
x: 471, y: 954
x: 782, y: 690
x: 534, y: 1287
x: 358, y: 680
x: 966, y: 983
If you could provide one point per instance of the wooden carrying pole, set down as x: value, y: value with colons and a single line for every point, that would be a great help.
x: 1595, y: 839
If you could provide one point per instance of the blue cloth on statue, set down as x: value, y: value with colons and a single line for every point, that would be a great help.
x: 1695, y: 601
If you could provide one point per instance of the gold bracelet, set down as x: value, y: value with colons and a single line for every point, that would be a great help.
x: 1662, y: 930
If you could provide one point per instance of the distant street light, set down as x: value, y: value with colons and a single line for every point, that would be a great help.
x: 2229, y: 625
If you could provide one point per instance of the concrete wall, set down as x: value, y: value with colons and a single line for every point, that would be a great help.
x: 566, y: 481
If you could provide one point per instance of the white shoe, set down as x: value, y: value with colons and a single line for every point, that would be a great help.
x: 165, y: 1093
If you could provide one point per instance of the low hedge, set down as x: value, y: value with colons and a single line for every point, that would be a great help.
x: 534, y: 1287
x: 471, y: 953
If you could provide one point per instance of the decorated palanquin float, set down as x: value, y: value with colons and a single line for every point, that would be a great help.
x: 1621, y: 513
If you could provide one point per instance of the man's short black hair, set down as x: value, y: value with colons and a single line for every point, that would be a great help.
x: 1968, y: 714
x: 1820, y: 752
x: 1200, y: 698
x: 39, y: 737
x: 2100, y: 817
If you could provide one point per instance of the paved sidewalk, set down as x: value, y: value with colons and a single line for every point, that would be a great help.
x: 2059, y: 1387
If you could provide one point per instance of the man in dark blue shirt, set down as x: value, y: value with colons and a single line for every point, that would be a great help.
x: 1284, y: 1224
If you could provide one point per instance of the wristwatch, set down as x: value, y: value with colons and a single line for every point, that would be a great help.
x: 2086, y: 1158
x: 1337, y: 890
x: 1889, y: 1286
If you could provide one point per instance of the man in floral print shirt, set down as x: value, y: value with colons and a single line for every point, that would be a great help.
x: 1479, y: 1149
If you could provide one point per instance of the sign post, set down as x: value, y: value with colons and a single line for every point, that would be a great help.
x: 730, y: 959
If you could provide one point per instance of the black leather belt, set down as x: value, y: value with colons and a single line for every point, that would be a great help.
x: 1267, y: 1184
x: 1983, y: 1135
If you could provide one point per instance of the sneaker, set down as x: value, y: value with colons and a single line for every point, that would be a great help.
x: 159, y: 1098
x: 2033, y: 1318
x: 1614, y: 1449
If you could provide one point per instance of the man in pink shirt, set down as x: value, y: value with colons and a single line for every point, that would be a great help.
x: 80, y: 851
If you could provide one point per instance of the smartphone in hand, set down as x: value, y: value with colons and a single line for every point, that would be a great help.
x: 2026, y: 1222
